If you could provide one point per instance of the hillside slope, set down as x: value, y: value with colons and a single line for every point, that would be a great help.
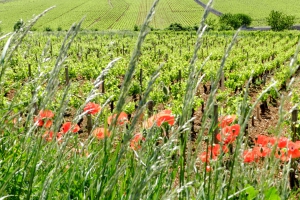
x: 258, y: 9
x: 99, y: 14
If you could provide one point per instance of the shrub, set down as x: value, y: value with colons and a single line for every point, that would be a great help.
x: 234, y: 21
x: 176, y: 27
x: 279, y: 21
x: 59, y: 28
x: 135, y: 28
x: 18, y: 25
x: 48, y: 29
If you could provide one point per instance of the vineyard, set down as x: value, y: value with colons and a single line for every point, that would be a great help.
x: 100, y: 15
x: 125, y: 14
x: 149, y: 115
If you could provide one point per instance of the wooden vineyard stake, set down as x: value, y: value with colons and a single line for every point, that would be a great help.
x: 102, y: 86
x: 111, y: 106
x: 166, y: 57
x: 293, y: 126
x: 89, y: 123
x: 29, y: 70
x: 150, y: 107
x: 51, y: 52
x: 294, y: 183
x: 222, y: 80
x: 264, y: 79
x: 67, y: 75
x: 179, y: 77
x: 141, y: 79
x: 216, y: 131
x: 257, y: 114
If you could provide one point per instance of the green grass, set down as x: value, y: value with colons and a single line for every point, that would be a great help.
x: 258, y: 9
x: 101, y: 15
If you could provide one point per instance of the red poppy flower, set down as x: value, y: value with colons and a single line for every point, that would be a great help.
x: 207, y: 156
x: 134, y: 143
x: 101, y: 133
x: 262, y: 140
x: 160, y: 118
x: 227, y: 120
x: 228, y: 134
x: 293, y: 150
x: 216, y: 149
x: 282, y: 155
x: 92, y: 108
x: 272, y: 140
x: 45, y: 114
x: 297, y: 144
x: 122, y: 119
x: 208, y: 168
x: 282, y: 142
x: 44, y: 118
x: 66, y: 127
x: 261, y: 151
x: 249, y: 156
x: 48, y: 136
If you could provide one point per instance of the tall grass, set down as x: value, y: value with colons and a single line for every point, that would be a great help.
x: 32, y: 168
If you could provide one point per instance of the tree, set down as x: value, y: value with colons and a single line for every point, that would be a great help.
x: 176, y: 27
x: 279, y: 21
x: 234, y: 21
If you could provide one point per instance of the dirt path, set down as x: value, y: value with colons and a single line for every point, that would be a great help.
x: 215, y: 12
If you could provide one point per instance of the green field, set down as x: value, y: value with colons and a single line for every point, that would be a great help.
x: 124, y: 14
x: 100, y: 14
x: 258, y: 9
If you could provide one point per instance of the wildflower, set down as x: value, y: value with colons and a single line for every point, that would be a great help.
x: 216, y: 149
x: 262, y: 140
x: 122, y: 119
x: 282, y: 142
x: 293, y: 150
x: 228, y: 134
x: 160, y: 118
x: 208, y: 168
x: 135, y: 141
x: 207, y: 156
x: 249, y: 156
x: 227, y: 120
x: 282, y: 155
x: 46, y: 114
x: 101, y: 133
x: 66, y: 127
x: 48, y: 136
x: 261, y: 151
x: 44, y: 118
x: 92, y: 108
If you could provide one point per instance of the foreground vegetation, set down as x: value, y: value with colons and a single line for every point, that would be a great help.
x: 48, y: 89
